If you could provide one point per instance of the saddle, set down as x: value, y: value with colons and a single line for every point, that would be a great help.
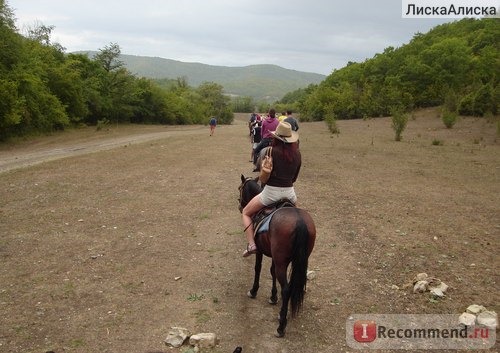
x: 262, y: 218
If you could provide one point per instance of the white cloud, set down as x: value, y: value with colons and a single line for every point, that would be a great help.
x: 314, y: 35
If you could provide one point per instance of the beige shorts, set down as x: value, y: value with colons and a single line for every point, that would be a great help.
x: 272, y: 194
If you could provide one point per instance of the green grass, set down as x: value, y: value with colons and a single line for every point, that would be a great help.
x: 193, y: 297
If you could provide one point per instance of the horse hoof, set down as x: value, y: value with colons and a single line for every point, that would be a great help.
x: 250, y: 295
x: 279, y: 334
x: 272, y: 302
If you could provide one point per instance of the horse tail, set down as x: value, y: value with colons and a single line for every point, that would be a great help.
x: 298, y: 275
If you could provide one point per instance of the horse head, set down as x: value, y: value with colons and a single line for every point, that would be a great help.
x: 248, y: 188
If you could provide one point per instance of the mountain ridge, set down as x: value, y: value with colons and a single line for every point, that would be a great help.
x: 260, y: 81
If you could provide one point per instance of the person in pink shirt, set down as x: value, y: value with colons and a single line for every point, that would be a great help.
x: 269, y: 124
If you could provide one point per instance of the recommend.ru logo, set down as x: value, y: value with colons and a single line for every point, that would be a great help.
x: 415, y: 331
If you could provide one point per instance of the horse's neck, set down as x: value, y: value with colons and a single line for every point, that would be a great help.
x: 255, y: 189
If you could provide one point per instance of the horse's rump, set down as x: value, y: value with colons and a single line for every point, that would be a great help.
x: 284, y: 224
x: 292, y: 236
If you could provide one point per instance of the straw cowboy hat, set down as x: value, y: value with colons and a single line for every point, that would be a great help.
x: 285, y: 133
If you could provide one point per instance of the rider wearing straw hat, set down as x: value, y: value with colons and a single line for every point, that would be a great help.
x: 286, y: 166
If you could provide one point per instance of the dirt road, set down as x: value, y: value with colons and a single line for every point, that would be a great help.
x: 45, y: 149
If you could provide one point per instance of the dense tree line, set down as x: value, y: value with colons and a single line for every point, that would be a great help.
x: 44, y: 89
x: 458, y: 60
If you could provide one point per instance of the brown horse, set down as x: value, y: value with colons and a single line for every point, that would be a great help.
x: 289, y: 239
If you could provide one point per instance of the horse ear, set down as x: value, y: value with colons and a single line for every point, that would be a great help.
x: 242, y: 178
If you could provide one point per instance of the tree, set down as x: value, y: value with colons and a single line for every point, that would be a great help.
x: 243, y: 104
x: 10, y: 109
x: 151, y: 102
x: 28, y: 65
x: 10, y: 40
x: 215, y: 102
x: 40, y: 33
x: 461, y: 56
x: 449, y: 62
x: 7, y: 16
x: 108, y: 57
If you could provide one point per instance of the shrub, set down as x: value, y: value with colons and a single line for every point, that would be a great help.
x: 331, y: 122
x: 479, y: 102
x: 483, y: 101
x: 449, y: 111
x: 101, y: 124
x: 450, y: 101
x: 449, y: 118
x: 399, y: 121
x: 466, y: 105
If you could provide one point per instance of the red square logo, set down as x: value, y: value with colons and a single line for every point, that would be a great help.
x: 365, y: 331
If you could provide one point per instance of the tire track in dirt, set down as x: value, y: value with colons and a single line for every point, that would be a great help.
x: 10, y: 160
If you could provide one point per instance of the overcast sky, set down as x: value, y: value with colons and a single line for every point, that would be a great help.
x: 305, y: 35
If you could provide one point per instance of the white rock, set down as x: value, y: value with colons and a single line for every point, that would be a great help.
x: 467, y: 319
x: 443, y: 286
x: 421, y: 277
x: 437, y: 292
x: 475, y: 309
x: 311, y: 275
x: 488, y: 319
x: 176, y: 336
x: 433, y: 282
x: 439, y: 289
x: 203, y: 340
x: 420, y: 287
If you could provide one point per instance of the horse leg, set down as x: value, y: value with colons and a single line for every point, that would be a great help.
x: 274, y: 291
x: 252, y: 293
x: 285, y: 297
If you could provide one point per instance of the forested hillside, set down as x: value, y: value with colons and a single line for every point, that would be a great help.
x: 261, y: 82
x: 44, y: 89
x: 455, y: 62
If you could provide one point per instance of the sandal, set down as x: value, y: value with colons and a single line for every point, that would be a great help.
x: 251, y: 249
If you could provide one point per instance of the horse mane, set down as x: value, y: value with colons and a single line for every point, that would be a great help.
x: 254, y: 186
